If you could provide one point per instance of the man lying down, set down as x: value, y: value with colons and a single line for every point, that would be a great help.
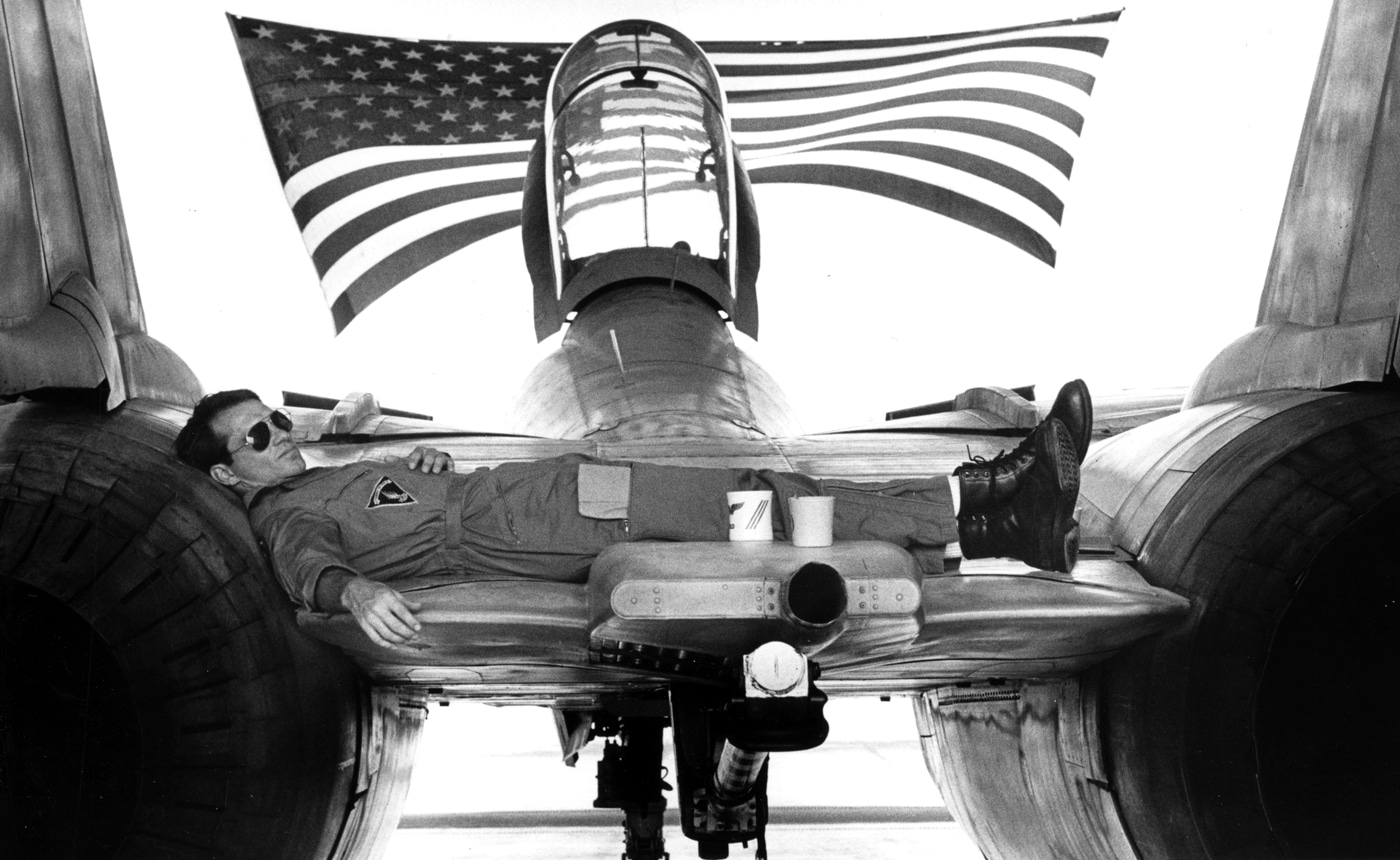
x: 339, y: 537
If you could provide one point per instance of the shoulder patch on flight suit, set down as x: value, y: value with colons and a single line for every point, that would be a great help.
x: 387, y: 492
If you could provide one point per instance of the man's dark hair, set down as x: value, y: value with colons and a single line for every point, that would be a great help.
x: 198, y: 444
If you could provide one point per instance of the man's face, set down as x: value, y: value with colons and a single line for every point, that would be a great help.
x: 280, y: 460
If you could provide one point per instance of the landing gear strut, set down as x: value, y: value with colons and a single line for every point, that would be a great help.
x: 723, y: 739
x: 630, y: 778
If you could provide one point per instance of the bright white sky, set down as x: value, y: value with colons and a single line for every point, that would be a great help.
x: 866, y: 305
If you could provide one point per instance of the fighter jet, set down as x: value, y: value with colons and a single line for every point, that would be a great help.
x: 162, y: 699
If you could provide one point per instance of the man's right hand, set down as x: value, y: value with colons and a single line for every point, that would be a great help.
x: 385, y: 615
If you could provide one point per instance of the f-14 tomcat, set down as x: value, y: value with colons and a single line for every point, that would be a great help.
x: 1203, y: 685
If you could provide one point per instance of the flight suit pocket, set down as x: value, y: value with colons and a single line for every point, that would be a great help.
x: 604, y: 492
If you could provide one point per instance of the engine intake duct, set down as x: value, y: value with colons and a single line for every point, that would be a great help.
x: 815, y: 595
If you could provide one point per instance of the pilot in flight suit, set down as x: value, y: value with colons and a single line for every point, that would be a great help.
x: 337, y: 535
x: 547, y: 519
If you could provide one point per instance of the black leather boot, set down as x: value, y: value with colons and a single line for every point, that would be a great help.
x: 1023, y: 502
x: 990, y: 484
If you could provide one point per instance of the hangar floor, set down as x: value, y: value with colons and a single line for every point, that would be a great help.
x: 488, y: 783
x: 943, y: 841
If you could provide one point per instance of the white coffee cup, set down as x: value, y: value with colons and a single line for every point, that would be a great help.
x: 750, y: 515
x: 811, y: 520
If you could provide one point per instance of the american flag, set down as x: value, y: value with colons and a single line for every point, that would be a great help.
x: 395, y: 153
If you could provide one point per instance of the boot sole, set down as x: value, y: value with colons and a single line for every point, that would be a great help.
x: 1062, y: 408
x: 1060, y: 549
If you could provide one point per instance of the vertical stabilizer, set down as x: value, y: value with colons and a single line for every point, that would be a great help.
x: 1327, y: 315
x: 70, y: 313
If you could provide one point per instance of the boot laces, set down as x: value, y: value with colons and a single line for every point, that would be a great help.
x: 1002, y: 455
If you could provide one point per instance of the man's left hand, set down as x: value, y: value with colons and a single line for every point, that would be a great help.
x: 429, y: 460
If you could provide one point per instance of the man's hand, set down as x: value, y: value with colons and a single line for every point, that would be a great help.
x: 385, y: 615
x: 429, y: 460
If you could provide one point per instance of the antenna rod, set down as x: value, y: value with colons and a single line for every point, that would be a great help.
x: 612, y: 332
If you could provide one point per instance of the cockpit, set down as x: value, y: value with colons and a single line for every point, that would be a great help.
x: 638, y: 176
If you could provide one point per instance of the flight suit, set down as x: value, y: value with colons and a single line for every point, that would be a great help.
x: 548, y: 519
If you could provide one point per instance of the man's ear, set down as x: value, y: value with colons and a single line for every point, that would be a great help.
x: 222, y: 473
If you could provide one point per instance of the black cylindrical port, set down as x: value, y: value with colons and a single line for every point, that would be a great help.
x: 816, y: 594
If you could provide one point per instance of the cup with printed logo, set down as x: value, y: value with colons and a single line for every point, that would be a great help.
x: 750, y: 515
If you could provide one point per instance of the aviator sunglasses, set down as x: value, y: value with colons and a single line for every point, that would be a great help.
x: 260, y: 434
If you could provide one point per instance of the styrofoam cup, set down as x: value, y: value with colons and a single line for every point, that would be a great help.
x: 751, y: 515
x: 811, y: 520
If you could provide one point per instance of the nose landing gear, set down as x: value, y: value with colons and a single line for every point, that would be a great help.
x: 723, y: 738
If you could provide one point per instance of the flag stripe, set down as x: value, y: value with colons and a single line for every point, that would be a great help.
x: 759, y: 70
x: 1032, y: 153
x: 967, y: 162
x: 720, y: 51
x: 342, y: 163
x: 341, y: 211
x: 318, y: 198
x: 1055, y: 135
x: 363, y: 226
x: 393, y: 236
x: 828, y: 109
x: 828, y: 164
x: 747, y: 77
x: 400, y: 264
x: 1061, y: 83
x: 942, y: 201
